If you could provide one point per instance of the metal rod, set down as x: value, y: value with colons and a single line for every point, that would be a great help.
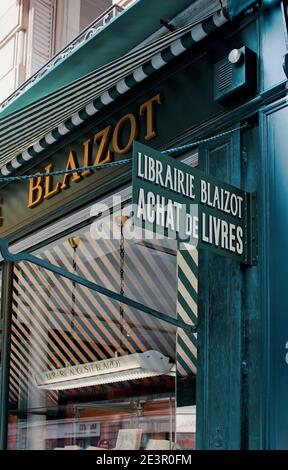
x: 24, y: 256
x: 6, y: 306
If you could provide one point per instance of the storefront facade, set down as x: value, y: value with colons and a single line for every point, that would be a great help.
x: 222, y: 388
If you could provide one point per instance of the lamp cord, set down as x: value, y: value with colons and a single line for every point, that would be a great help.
x: 122, y: 265
x: 73, y: 296
x: 73, y: 289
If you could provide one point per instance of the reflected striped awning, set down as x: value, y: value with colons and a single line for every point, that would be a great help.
x: 55, y: 323
x: 26, y: 133
x: 187, y: 309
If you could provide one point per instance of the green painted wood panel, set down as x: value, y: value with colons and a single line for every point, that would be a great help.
x: 220, y: 323
x: 275, y: 277
x: 251, y: 332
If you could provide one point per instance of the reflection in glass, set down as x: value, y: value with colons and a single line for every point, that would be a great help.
x: 1, y: 318
x: 60, y: 327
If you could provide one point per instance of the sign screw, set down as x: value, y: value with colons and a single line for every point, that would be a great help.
x: 245, y: 366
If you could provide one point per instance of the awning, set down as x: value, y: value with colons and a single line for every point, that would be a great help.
x: 40, y: 125
x: 101, y: 46
x: 118, y: 369
x: 28, y: 132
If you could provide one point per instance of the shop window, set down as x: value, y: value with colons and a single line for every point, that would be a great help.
x: 60, y: 328
x: 1, y: 326
x: 1, y: 316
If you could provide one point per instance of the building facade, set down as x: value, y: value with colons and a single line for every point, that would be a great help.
x: 82, y: 367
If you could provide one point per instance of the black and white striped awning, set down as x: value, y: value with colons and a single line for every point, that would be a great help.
x: 28, y: 132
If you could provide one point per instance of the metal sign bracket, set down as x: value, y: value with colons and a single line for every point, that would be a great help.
x: 251, y: 248
x: 24, y: 256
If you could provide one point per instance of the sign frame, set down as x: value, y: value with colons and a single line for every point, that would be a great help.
x: 228, y: 212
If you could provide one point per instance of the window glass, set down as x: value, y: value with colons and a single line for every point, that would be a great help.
x: 90, y: 10
x: 61, y: 328
x: 1, y: 324
x: 1, y: 316
x: 86, y: 370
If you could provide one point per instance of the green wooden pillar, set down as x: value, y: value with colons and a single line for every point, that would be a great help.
x: 219, y: 393
x: 6, y: 305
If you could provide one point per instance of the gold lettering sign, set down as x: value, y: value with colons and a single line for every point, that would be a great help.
x: 41, y: 188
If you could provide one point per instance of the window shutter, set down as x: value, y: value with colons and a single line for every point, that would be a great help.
x: 42, y: 33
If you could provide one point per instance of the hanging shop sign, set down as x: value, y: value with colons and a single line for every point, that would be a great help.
x: 173, y: 199
x: 129, y: 367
